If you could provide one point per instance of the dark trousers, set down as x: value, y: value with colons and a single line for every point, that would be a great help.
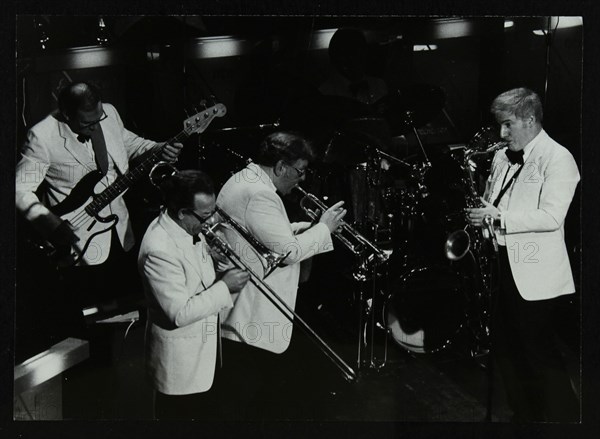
x: 526, y: 352
x: 197, y: 406
x: 252, y: 380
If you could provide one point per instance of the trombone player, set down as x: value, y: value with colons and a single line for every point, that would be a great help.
x: 184, y: 297
x: 528, y: 194
x: 254, y: 330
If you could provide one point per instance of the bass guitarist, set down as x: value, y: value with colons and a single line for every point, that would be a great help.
x: 85, y: 136
x: 85, y: 140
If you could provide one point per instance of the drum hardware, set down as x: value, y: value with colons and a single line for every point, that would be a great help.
x: 249, y: 128
x: 409, y: 120
x: 424, y: 308
x: 423, y: 101
x: 369, y: 323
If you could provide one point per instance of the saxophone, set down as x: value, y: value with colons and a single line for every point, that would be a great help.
x: 461, y: 241
x: 472, y: 240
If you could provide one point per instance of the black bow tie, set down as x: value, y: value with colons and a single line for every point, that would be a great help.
x: 83, y: 138
x: 514, y: 156
x: 196, y: 239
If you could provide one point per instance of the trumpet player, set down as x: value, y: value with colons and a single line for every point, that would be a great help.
x: 255, y: 331
x: 184, y: 297
x: 529, y: 191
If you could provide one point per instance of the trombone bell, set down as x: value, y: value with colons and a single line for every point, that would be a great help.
x: 269, y: 259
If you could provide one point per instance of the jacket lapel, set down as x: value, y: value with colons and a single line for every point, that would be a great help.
x: 116, y: 154
x: 182, y: 240
x: 75, y: 148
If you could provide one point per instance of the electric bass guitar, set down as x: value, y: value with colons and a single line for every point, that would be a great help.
x: 82, y: 208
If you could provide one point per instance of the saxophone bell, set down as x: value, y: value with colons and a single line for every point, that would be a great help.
x: 457, y: 245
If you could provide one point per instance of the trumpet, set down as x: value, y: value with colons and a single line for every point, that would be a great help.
x: 360, y: 246
x: 209, y: 230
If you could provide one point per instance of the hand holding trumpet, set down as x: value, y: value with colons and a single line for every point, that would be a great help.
x: 333, y: 216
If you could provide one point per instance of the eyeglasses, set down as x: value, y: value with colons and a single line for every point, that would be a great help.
x: 202, y: 219
x: 83, y: 126
x: 301, y: 172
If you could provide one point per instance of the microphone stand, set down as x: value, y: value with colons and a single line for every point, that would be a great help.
x: 489, y: 224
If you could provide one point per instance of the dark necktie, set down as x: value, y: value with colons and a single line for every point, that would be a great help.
x: 99, y: 146
x: 514, y: 157
x: 196, y: 239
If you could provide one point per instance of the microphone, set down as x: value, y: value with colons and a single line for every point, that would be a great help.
x: 489, y: 223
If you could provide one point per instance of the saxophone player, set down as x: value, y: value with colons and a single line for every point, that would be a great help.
x: 528, y: 194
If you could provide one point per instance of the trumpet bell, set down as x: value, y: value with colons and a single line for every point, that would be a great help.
x: 457, y: 245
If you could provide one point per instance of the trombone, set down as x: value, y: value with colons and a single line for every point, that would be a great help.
x: 270, y: 261
x: 269, y: 258
x: 210, y: 232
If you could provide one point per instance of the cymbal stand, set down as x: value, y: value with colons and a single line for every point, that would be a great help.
x: 409, y: 121
x: 395, y: 159
x: 371, y: 292
x: 370, y: 309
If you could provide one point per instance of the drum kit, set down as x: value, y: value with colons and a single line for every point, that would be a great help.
x: 419, y: 299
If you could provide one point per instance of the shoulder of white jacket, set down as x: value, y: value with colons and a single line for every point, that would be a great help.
x: 552, y: 149
x: 244, y: 184
x: 108, y: 106
x: 47, y: 124
x: 156, y: 236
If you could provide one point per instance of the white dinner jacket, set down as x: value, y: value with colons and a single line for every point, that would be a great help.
x: 535, y: 216
x: 250, y: 198
x: 53, y: 154
x: 183, y: 305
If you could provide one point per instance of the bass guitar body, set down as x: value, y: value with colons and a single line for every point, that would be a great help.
x: 85, y: 226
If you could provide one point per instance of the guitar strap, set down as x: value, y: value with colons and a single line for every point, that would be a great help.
x: 99, y: 146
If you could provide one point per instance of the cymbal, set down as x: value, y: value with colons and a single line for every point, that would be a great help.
x: 410, y: 107
x: 324, y: 114
x: 352, y: 143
